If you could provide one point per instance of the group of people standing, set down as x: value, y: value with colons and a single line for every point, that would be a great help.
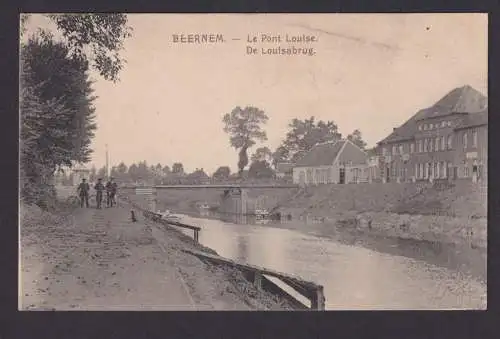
x: 111, y: 187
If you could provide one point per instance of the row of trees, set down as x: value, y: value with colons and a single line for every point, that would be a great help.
x: 56, y: 95
x: 245, y: 129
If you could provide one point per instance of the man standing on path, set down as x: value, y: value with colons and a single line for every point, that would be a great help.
x: 99, y: 187
x: 111, y: 188
x: 83, y: 192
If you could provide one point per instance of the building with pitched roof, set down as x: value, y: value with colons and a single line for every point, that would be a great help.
x: 446, y: 140
x: 337, y: 162
x: 284, y: 170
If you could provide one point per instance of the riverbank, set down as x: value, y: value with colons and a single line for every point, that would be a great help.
x: 89, y: 259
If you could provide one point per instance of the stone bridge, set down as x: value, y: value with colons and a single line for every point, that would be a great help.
x: 233, y: 198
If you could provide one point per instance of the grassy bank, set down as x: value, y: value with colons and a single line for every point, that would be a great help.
x: 450, y: 214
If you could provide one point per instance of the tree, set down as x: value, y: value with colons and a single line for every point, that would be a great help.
x: 121, y: 171
x: 262, y: 154
x: 357, y: 139
x: 95, y: 38
x: 166, y: 171
x: 222, y: 173
x: 101, y: 173
x: 244, y: 127
x: 56, y: 95
x: 178, y: 168
x: 282, y: 154
x: 57, y: 113
x: 303, y: 136
x: 260, y: 169
x: 133, y: 172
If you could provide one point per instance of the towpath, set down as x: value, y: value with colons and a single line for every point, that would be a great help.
x: 100, y: 260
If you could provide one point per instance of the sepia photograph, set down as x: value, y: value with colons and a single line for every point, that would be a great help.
x: 253, y: 162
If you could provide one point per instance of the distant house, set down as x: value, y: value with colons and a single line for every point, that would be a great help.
x: 284, y: 170
x: 338, y: 162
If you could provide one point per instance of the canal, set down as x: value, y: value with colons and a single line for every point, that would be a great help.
x: 355, y: 276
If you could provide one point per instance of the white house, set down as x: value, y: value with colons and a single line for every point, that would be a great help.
x: 337, y: 162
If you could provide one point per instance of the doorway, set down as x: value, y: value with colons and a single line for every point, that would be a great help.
x: 342, y: 175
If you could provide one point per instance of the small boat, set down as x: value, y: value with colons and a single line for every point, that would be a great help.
x: 167, y: 215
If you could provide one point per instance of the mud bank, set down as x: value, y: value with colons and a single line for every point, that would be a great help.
x: 79, y: 259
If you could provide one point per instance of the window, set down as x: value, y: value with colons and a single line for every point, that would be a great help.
x: 443, y: 169
x: 384, y: 151
x: 430, y: 145
x: 436, y: 146
x: 425, y: 145
x: 422, y: 171
x: 465, y: 140
x: 416, y: 170
x: 412, y: 147
x: 443, y: 144
x: 449, y: 123
x: 394, y: 149
x: 425, y: 127
x: 401, y: 149
x: 419, y: 127
x: 450, y: 141
x: 443, y: 123
x: 474, y: 138
x: 466, y: 171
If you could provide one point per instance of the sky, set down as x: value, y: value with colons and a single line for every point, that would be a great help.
x: 369, y: 72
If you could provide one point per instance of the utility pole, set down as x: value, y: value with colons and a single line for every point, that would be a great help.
x: 107, y: 162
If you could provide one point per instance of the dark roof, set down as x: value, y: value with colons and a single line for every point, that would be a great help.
x: 460, y: 100
x: 284, y: 167
x: 322, y: 154
x: 473, y: 120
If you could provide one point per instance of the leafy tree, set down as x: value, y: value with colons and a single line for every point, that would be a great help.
x: 197, y: 177
x: 57, y: 114
x: 262, y: 154
x: 133, y: 172
x: 101, y: 173
x: 95, y: 38
x: 121, y: 171
x: 244, y: 127
x: 178, y: 168
x: 222, y: 173
x: 282, y: 154
x: 357, y: 139
x: 260, y: 169
x: 166, y: 171
x: 56, y: 95
x: 303, y: 136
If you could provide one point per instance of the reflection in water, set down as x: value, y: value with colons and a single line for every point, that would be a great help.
x: 353, y: 277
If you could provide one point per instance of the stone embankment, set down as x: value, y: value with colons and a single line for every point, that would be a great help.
x: 89, y: 259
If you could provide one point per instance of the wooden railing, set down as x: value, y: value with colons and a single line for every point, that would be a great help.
x: 158, y: 218
x: 313, y: 292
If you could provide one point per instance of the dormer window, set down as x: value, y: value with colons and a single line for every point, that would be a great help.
x: 419, y: 127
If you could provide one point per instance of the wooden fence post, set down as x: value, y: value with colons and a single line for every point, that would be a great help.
x: 318, y: 300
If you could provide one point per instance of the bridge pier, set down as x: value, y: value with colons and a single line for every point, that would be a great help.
x: 243, y: 200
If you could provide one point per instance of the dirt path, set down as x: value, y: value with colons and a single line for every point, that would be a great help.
x: 93, y: 259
